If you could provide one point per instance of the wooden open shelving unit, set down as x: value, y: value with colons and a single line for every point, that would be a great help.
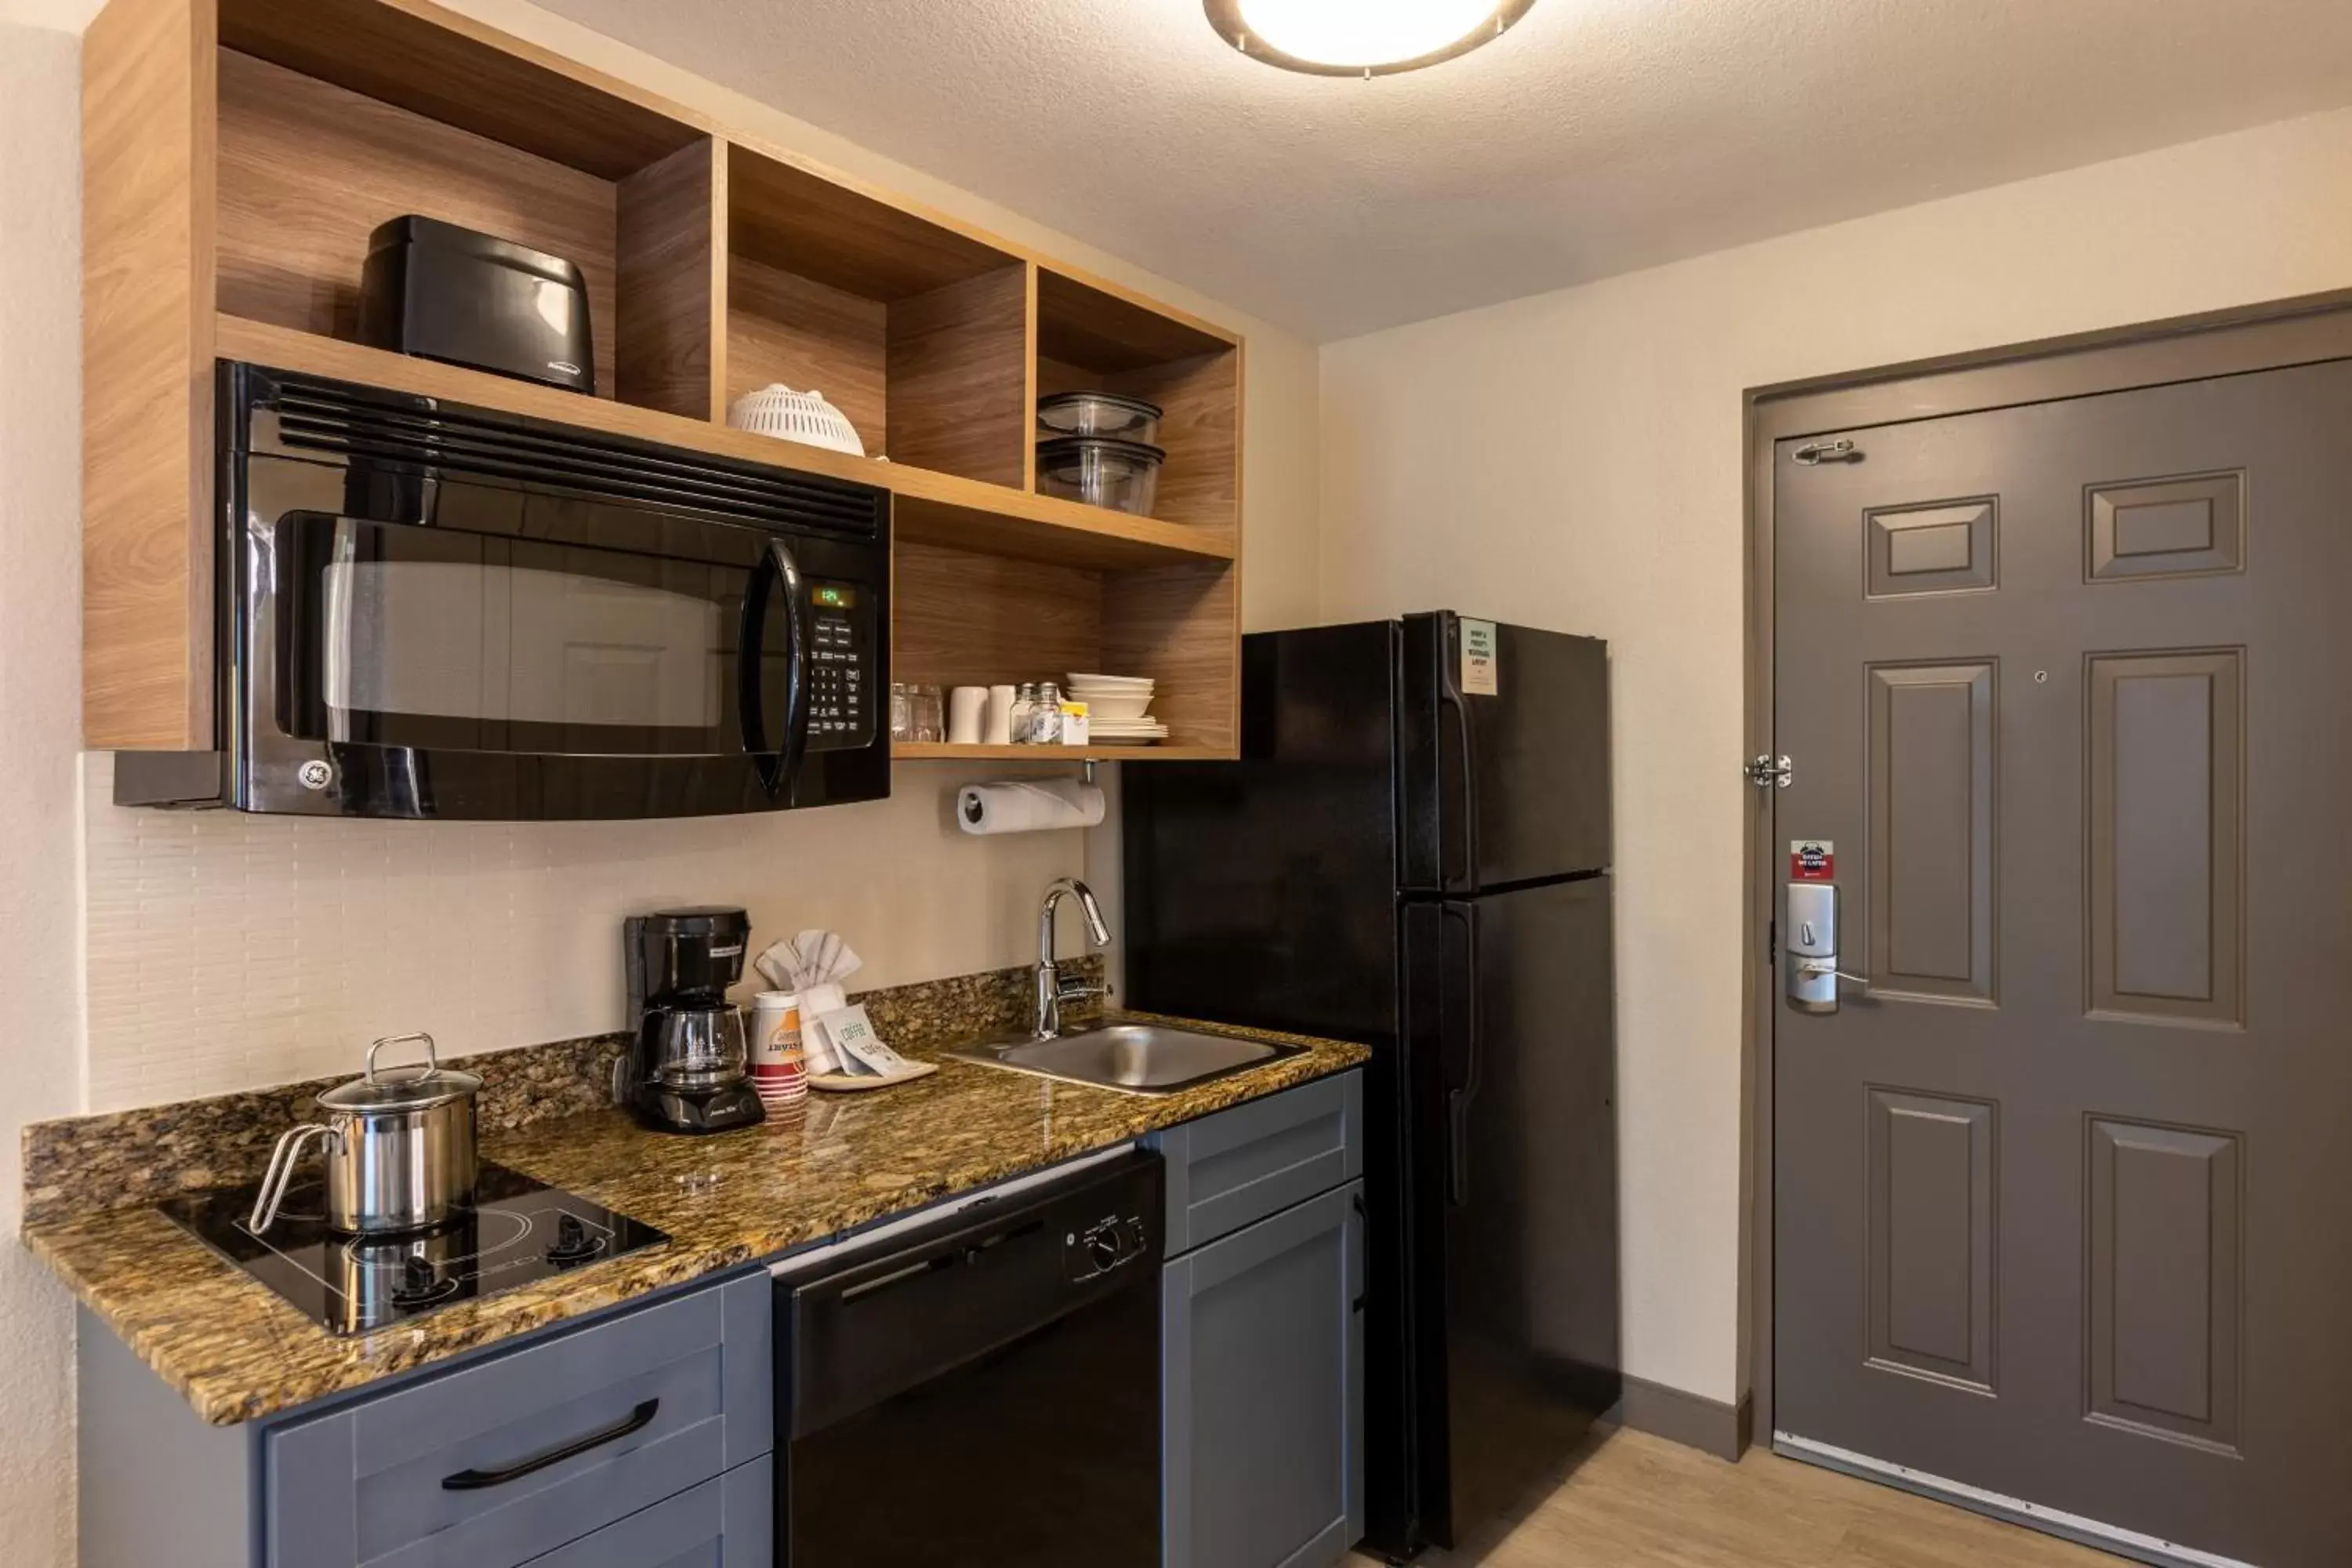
x: 237, y: 153
x: 940, y: 751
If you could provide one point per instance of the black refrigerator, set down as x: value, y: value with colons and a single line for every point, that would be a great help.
x: 1414, y: 852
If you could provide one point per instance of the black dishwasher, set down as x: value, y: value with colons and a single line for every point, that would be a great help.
x: 982, y: 1390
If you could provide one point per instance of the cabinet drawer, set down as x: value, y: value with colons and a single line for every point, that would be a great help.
x: 726, y: 1523
x: 493, y: 1465
x: 1238, y: 1166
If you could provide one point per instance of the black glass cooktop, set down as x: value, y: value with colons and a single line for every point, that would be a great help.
x: 515, y: 1232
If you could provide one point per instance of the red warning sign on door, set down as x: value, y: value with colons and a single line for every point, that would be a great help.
x: 1812, y: 860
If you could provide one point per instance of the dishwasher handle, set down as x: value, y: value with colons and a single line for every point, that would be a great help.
x: 888, y: 1318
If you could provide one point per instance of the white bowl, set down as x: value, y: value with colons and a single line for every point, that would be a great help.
x: 1105, y: 682
x: 1114, y: 706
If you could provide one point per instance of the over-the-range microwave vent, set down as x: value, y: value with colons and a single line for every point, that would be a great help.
x: 401, y: 430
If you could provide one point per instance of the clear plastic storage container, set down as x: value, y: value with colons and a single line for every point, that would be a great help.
x: 1100, y: 414
x: 1100, y: 471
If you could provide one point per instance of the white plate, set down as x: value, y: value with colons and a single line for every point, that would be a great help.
x: 1112, y: 682
x: 858, y: 1083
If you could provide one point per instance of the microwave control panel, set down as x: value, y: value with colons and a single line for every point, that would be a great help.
x: 842, y: 645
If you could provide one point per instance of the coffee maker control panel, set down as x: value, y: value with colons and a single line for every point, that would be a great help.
x: 842, y: 645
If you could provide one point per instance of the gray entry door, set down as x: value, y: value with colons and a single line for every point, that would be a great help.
x: 2064, y: 1194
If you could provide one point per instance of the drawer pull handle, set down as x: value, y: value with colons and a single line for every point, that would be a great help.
x: 476, y: 1480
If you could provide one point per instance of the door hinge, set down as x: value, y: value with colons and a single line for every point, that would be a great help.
x: 1765, y: 771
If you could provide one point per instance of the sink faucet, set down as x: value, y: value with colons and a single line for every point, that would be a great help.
x: 1052, y: 992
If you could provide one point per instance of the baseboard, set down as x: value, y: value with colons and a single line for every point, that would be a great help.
x: 1691, y: 1419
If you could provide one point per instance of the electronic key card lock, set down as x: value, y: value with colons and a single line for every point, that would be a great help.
x: 1809, y: 947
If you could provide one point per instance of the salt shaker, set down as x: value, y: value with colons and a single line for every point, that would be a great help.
x: 1049, y: 714
x: 1024, y: 714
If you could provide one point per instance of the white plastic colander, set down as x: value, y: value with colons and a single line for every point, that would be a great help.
x: 777, y: 410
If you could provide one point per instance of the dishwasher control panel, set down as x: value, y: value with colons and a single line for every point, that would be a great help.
x: 1111, y: 1242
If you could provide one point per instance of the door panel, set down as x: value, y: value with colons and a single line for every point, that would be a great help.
x: 1939, y: 549
x: 2166, y: 746
x: 2165, y: 1272
x: 1930, y: 842
x: 1930, y: 1246
x: 2049, y: 1188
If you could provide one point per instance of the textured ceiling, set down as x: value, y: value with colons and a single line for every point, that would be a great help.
x: 1598, y: 136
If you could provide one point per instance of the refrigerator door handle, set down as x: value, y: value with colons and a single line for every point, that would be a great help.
x: 1449, y: 695
x: 1458, y: 1096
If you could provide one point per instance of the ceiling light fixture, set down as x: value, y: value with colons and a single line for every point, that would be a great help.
x: 1361, y: 38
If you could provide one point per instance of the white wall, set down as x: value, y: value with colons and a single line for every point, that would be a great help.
x: 1574, y: 460
x: 40, y: 727
x: 227, y: 952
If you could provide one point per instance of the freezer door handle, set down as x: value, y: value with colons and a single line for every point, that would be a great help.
x: 1450, y: 696
x: 1458, y: 1096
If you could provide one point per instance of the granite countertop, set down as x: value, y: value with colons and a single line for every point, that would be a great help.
x: 237, y: 1352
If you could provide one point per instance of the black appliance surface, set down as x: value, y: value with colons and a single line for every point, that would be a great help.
x: 515, y: 1232
x: 1333, y: 882
x: 443, y: 292
x: 982, y: 1391
x: 431, y: 610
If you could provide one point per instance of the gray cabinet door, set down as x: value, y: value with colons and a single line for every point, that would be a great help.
x: 1264, y: 1359
x: 724, y: 1523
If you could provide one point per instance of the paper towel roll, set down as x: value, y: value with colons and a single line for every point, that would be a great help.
x: 1028, y: 806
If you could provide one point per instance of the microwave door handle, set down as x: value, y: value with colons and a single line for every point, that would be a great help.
x: 775, y: 562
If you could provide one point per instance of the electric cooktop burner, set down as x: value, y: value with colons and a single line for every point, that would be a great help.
x: 516, y: 1232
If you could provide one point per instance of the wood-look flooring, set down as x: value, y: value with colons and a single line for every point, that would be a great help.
x: 1631, y: 1500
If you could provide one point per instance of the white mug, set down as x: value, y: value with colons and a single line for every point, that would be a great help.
x: 966, y: 707
x: 1000, y: 715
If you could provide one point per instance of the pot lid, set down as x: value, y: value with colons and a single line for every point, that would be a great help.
x: 1062, y: 400
x: 416, y: 1086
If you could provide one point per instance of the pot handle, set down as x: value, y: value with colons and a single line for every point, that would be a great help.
x: 432, y: 1056
x: 282, y: 1161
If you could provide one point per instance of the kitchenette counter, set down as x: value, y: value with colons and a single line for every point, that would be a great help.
x: 831, y: 1164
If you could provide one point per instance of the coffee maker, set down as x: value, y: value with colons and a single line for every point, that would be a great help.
x: 688, y: 1070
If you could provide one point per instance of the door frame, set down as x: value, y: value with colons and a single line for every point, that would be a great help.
x: 2306, y: 330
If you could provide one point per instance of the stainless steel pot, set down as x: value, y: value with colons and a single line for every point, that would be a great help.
x: 399, y: 1146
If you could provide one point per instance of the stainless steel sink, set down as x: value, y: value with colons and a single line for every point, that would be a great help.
x: 1140, y: 1058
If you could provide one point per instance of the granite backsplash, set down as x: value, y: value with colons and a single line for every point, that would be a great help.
x: 130, y: 1158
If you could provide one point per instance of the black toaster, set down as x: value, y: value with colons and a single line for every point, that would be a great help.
x: 442, y: 292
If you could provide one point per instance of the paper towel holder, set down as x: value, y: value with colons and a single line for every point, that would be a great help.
x: 1087, y: 766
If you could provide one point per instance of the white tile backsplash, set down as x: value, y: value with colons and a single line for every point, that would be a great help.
x: 228, y: 951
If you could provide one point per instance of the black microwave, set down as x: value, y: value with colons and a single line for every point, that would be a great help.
x: 427, y: 610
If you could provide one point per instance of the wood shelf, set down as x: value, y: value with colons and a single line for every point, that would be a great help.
x: 940, y: 751
x: 237, y: 155
x: 932, y: 507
